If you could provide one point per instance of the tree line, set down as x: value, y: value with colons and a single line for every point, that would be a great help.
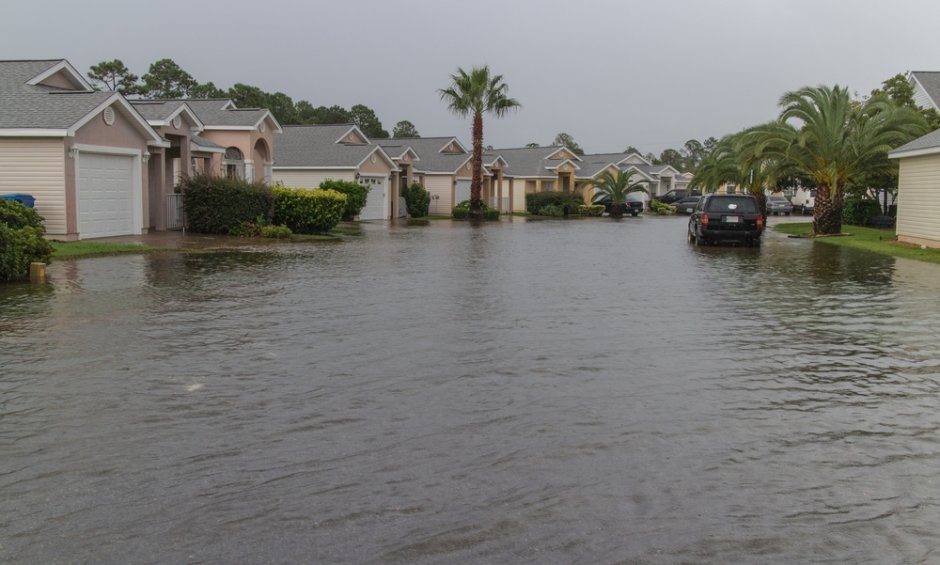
x: 166, y: 79
x: 686, y: 158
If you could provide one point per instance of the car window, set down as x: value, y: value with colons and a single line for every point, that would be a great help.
x: 741, y: 204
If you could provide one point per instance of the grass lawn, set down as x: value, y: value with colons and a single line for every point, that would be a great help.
x: 875, y: 240
x: 67, y: 250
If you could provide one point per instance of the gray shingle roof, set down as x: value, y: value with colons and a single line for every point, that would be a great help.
x: 26, y: 106
x: 203, y: 142
x: 431, y: 160
x: 315, y: 146
x: 156, y: 109
x: 930, y: 80
x: 211, y: 114
x: 929, y: 141
x: 527, y: 161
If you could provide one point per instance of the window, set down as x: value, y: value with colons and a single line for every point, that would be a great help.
x: 742, y: 204
x: 233, y: 164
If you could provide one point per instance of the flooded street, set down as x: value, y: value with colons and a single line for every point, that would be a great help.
x: 527, y: 392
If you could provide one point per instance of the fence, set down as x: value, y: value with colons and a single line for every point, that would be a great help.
x: 175, y: 217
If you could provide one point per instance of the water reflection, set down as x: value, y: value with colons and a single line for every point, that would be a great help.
x: 452, y: 393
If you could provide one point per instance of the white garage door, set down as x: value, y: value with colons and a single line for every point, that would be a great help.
x: 376, y: 207
x: 462, y: 191
x: 105, y: 195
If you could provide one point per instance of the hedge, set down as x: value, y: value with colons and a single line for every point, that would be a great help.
x: 535, y: 202
x: 462, y: 210
x: 594, y: 210
x: 308, y: 211
x: 21, y: 241
x: 223, y: 205
x: 356, y: 195
x: 858, y: 211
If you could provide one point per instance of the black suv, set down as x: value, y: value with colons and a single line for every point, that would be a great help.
x: 726, y: 217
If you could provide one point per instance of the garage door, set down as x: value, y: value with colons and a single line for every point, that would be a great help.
x: 376, y: 207
x: 462, y: 191
x: 105, y: 195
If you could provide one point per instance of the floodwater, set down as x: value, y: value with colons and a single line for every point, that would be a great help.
x: 527, y: 392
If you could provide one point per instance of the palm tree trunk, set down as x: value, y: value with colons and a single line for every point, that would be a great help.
x: 476, y: 184
x: 827, y: 213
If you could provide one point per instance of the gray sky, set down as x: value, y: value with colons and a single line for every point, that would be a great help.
x: 610, y: 73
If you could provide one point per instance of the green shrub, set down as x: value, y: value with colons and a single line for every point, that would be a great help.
x: 593, y: 210
x: 18, y: 248
x: 308, y: 211
x: 858, y: 211
x: 418, y: 200
x: 356, y: 195
x: 661, y: 208
x: 536, y: 201
x: 276, y: 232
x: 222, y: 205
x: 552, y: 210
x: 462, y: 210
x: 17, y: 216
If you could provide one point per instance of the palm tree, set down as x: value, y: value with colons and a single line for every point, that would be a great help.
x: 717, y: 167
x: 833, y: 139
x: 474, y: 93
x: 616, y: 187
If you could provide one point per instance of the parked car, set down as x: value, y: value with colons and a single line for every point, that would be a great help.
x: 686, y: 205
x: 726, y: 217
x: 778, y: 205
x: 633, y: 205
x: 676, y: 194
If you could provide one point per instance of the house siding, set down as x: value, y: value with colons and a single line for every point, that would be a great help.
x: 442, y: 187
x: 36, y: 167
x: 918, y: 218
x: 305, y: 178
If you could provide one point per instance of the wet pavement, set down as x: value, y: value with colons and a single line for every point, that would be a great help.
x: 537, y: 392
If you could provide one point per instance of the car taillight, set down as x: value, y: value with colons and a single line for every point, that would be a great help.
x: 760, y: 221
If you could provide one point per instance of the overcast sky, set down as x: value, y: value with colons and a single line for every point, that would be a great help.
x: 611, y: 73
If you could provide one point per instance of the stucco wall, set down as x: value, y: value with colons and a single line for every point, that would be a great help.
x: 376, y: 165
x: 305, y: 178
x: 441, y: 189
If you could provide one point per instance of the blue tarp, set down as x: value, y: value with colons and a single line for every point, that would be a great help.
x: 24, y: 199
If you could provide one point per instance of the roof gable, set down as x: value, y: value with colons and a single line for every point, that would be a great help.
x: 353, y: 136
x: 562, y: 153
x: 926, y: 88
x: 453, y: 146
x: 634, y: 159
x: 59, y: 75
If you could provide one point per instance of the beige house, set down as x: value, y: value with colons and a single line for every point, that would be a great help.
x: 309, y: 155
x: 918, y: 220
x: 443, y: 167
x: 82, y: 154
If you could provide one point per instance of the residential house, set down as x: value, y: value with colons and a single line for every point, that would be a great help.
x: 308, y: 155
x: 926, y: 88
x: 545, y: 169
x: 246, y: 134
x: 918, y: 217
x: 82, y: 154
x: 444, y: 168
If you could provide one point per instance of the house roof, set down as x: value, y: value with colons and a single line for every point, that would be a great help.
x: 926, y: 145
x: 930, y: 81
x: 29, y: 107
x: 221, y: 113
x: 315, y: 146
x: 198, y: 143
x: 429, y: 153
x: 161, y: 112
x: 528, y: 161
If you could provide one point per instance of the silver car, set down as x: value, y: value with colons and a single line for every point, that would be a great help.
x: 778, y: 205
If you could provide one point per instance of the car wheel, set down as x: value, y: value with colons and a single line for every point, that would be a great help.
x: 700, y: 240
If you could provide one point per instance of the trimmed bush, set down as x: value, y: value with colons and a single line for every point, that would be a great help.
x: 276, y: 232
x: 461, y: 211
x: 356, y: 195
x: 552, y: 210
x: 224, y: 206
x: 661, y: 208
x: 859, y: 211
x: 16, y: 215
x: 418, y: 200
x: 308, y: 211
x: 18, y: 248
x: 536, y: 201
x: 594, y: 210
x: 21, y: 240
